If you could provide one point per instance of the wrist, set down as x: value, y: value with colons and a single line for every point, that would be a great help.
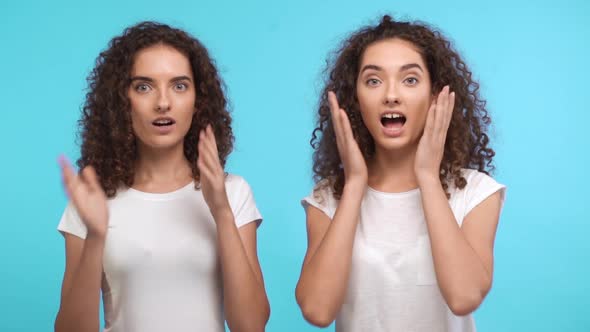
x: 97, y: 234
x: 428, y: 180
x: 222, y: 213
x: 96, y: 238
x: 355, y: 188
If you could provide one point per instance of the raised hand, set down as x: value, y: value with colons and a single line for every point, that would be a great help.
x: 432, y: 144
x: 88, y: 198
x: 355, y: 168
x: 212, y: 175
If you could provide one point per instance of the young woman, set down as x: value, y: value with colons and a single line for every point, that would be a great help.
x: 154, y: 222
x: 402, y: 220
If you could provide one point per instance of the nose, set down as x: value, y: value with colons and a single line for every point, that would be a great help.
x: 163, y: 104
x: 391, y: 96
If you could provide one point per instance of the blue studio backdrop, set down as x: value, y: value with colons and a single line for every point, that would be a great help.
x: 529, y: 56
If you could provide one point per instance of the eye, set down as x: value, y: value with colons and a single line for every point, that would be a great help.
x: 142, y: 88
x: 180, y: 86
x: 411, y: 81
x: 372, y: 82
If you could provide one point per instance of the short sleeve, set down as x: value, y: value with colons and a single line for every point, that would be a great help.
x: 71, y: 223
x: 322, y: 198
x: 241, y: 201
x: 479, y: 187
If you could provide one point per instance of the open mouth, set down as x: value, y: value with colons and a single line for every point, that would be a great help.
x: 163, y: 122
x: 393, y: 121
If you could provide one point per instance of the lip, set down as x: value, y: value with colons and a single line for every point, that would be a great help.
x: 163, y: 130
x: 392, y: 132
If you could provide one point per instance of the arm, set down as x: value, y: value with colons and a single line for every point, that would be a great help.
x: 80, y: 295
x: 463, y: 257
x: 326, y: 267
x: 245, y: 303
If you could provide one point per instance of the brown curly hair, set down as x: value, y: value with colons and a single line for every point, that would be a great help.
x: 108, y: 141
x: 467, y: 142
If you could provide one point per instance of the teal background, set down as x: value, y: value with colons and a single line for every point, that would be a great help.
x: 531, y: 58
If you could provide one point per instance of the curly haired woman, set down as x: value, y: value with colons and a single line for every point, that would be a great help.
x: 154, y: 222
x: 402, y: 220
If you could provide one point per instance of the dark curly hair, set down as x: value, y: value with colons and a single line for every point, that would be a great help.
x: 108, y: 141
x: 467, y: 142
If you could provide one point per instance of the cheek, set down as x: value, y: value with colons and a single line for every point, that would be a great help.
x: 186, y: 114
x: 366, y: 99
x: 137, y: 123
x: 368, y: 104
x: 420, y: 105
x: 139, y: 108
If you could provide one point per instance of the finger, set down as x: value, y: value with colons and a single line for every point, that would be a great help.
x: 205, y: 173
x: 209, y: 152
x: 69, y: 177
x: 429, y: 126
x: 212, y: 137
x: 345, y: 125
x: 67, y: 170
x: 210, y: 142
x: 443, y: 114
x: 209, y: 159
x: 333, y: 101
x: 451, y: 102
x: 91, y: 178
x: 441, y: 104
x: 204, y: 146
x: 210, y: 162
x: 450, y: 111
x: 334, y: 111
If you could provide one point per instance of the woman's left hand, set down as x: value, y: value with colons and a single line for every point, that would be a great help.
x: 432, y: 144
x: 212, y: 175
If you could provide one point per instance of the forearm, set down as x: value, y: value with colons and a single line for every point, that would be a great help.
x: 460, y: 272
x: 324, y: 277
x: 79, y: 308
x: 245, y: 301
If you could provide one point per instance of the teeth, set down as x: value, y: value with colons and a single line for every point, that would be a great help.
x: 162, y: 121
x: 392, y: 116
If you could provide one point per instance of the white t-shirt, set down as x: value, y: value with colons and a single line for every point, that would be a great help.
x: 160, y: 262
x: 392, y: 284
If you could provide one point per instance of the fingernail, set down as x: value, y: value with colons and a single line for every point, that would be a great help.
x: 63, y: 160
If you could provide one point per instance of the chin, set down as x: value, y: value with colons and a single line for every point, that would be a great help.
x: 164, y: 143
x: 393, y: 144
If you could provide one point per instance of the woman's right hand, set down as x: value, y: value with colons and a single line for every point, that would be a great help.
x: 355, y: 168
x: 86, y: 194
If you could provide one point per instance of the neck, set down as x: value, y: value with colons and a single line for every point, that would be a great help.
x: 393, y: 171
x: 161, y: 170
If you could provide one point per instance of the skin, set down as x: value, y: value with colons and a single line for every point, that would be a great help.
x: 162, y: 85
x: 393, y: 76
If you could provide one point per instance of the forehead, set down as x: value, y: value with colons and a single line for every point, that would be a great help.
x: 391, y: 53
x: 157, y: 60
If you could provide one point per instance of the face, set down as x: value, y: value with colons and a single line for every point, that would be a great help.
x: 394, y: 93
x: 162, y: 96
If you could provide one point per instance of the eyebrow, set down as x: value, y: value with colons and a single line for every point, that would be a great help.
x: 402, y: 68
x: 410, y: 66
x: 149, y: 79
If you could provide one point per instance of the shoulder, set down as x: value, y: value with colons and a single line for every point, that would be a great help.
x: 236, y: 183
x: 479, y: 186
x: 474, y: 180
x: 478, y: 181
x: 322, y: 197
